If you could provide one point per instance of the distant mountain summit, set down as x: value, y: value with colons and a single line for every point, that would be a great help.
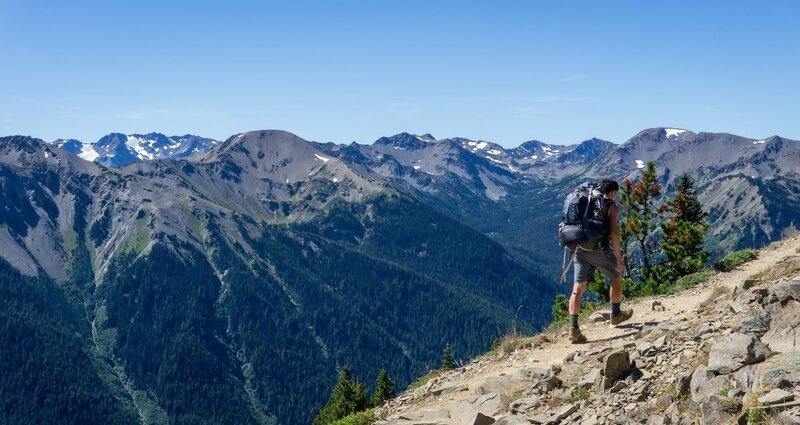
x: 119, y: 150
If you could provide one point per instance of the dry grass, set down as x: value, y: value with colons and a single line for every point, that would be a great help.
x: 555, y: 401
x: 701, y: 359
x: 786, y: 267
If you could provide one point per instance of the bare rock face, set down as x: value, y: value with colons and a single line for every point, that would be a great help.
x: 616, y: 365
x: 782, y: 370
x: 731, y: 352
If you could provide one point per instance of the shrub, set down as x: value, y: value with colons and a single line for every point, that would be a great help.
x: 735, y: 259
x: 361, y: 418
x: 692, y: 279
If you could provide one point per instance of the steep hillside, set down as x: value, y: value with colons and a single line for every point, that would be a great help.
x: 720, y: 353
x: 231, y: 286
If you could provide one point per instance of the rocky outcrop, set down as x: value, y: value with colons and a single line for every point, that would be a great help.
x: 731, y: 359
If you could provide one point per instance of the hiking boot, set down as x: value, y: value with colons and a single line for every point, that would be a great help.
x: 576, y: 337
x: 621, y: 317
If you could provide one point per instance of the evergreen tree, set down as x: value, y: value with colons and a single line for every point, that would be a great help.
x: 683, y: 233
x: 640, y: 222
x: 447, y: 359
x: 560, y: 308
x: 360, y: 397
x: 384, y: 388
x: 342, y: 401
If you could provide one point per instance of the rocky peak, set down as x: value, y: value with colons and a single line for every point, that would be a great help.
x: 722, y: 352
x: 586, y: 152
x: 406, y: 141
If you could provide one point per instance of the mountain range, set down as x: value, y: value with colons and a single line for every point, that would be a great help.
x: 179, y: 279
x: 117, y: 150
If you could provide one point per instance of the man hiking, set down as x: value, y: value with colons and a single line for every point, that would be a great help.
x: 606, y: 256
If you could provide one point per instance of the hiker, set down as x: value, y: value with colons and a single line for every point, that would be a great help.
x: 606, y: 255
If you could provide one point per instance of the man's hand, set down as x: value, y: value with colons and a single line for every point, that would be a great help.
x: 620, y: 266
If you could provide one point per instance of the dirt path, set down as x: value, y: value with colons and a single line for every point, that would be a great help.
x: 680, y: 306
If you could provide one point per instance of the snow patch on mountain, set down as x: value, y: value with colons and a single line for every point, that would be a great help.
x: 88, y: 153
x: 639, y: 163
x: 673, y: 131
x: 322, y: 158
x: 138, y: 145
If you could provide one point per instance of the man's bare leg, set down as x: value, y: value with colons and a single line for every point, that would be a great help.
x: 575, y: 334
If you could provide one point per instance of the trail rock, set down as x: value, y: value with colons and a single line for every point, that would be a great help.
x: 599, y: 316
x: 487, y: 404
x: 776, y: 396
x: 784, y: 328
x: 660, y: 343
x: 524, y: 404
x: 645, y: 349
x: 783, y: 367
x: 430, y: 416
x: 656, y: 305
x: 512, y: 420
x: 717, y: 410
x: 785, y: 291
x: 477, y: 419
x: 702, y: 383
x: 657, y: 420
x: 616, y: 365
x: 589, y: 379
x: 448, y: 387
x: 756, y: 320
x: 731, y: 352
x: 565, y: 411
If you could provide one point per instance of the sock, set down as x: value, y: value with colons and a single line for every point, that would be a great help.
x: 573, y: 320
x: 615, y: 310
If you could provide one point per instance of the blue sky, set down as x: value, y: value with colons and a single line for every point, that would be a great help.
x: 342, y: 71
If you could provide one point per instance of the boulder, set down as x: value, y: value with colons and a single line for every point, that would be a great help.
x: 784, y: 291
x: 781, y: 369
x: 448, y: 387
x: 512, y: 420
x: 645, y: 348
x: 565, y: 411
x: 476, y: 419
x: 776, y: 396
x: 756, y: 320
x: 719, y: 410
x: 599, y: 316
x: 524, y: 404
x: 616, y: 365
x: 783, y: 333
x: 588, y: 380
x: 731, y: 352
x: 429, y: 416
x: 658, y: 420
x: 656, y: 305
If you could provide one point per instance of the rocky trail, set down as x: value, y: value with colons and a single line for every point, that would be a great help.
x: 722, y: 352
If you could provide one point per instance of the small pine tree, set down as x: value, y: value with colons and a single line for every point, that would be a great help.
x: 360, y: 397
x: 384, y: 389
x: 342, y: 401
x: 447, y: 359
x: 639, y: 222
x: 683, y: 233
x: 560, y: 309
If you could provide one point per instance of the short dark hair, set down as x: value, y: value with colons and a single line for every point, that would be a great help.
x: 607, y: 186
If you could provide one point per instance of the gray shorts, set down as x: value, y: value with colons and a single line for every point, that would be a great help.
x: 587, y: 261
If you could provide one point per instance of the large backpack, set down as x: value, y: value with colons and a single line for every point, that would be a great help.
x: 584, y: 222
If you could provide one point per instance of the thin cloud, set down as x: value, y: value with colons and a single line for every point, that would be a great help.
x: 557, y: 98
x: 572, y: 78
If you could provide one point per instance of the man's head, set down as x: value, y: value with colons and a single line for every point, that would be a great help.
x: 609, y: 188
